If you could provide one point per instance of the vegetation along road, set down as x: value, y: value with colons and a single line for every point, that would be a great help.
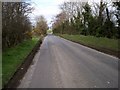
x: 31, y: 57
x: 62, y: 63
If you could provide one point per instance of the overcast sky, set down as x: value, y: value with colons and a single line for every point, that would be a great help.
x: 47, y: 8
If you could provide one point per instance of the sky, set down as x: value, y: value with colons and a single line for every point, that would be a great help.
x: 48, y: 8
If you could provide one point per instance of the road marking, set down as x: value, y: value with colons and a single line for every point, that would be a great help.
x: 91, y: 49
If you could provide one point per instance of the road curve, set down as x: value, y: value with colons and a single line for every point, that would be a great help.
x: 63, y: 64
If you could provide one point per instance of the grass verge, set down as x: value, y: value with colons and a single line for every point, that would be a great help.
x: 13, y: 57
x: 101, y: 43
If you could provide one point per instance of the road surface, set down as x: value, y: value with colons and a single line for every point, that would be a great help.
x: 63, y: 64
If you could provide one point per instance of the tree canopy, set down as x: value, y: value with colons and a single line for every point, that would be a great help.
x: 16, y: 25
x: 86, y: 19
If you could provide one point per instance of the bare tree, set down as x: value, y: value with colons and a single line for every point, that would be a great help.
x: 15, y: 22
x: 41, y: 25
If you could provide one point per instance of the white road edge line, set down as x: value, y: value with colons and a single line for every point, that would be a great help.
x: 90, y: 48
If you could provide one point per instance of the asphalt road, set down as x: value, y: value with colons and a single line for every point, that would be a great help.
x: 63, y: 64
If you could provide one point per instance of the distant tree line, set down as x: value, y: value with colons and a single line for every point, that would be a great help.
x: 99, y: 19
x: 41, y: 26
x: 16, y: 26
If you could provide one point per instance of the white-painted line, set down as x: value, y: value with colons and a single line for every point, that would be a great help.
x: 92, y: 49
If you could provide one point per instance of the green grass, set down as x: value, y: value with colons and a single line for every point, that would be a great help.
x: 13, y: 57
x: 101, y: 42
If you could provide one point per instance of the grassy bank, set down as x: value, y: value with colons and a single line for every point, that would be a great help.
x: 100, y: 42
x: 13, y: 57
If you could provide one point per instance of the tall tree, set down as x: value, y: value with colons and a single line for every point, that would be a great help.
x: 15, y: 22
x: 117, y: 11
x: 41, y: 25
x: 87, y: 18
x: 117, y: 14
